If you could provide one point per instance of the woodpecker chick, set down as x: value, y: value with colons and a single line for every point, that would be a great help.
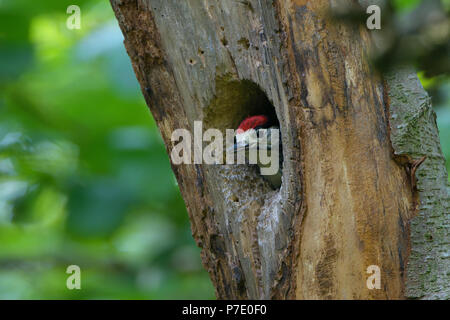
x: 250, y: 136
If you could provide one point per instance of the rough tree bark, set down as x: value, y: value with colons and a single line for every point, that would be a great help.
x: 349, y: 197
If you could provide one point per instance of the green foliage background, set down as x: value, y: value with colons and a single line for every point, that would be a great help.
x: 84, y: 176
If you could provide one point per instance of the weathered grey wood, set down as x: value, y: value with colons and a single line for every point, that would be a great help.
x: 211, y: 46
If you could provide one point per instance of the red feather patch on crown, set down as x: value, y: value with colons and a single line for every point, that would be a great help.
x: 252, y: 122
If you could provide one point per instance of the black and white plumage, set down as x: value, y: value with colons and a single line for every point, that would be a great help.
x: 249, y: 136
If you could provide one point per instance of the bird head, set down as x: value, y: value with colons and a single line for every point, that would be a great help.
x: 248, y: 135
x: 255, y: 134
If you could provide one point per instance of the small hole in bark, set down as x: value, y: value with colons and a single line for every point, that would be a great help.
x: 244, y: 42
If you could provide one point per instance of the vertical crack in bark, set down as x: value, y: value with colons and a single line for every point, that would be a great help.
x: 414, y: 135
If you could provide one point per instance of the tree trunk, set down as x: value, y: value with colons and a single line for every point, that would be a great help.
x: 349, y: 197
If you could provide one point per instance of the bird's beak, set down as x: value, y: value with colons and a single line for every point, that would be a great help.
x: 237, y: 146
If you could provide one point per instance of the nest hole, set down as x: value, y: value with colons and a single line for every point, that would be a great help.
x: 234, y: 101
